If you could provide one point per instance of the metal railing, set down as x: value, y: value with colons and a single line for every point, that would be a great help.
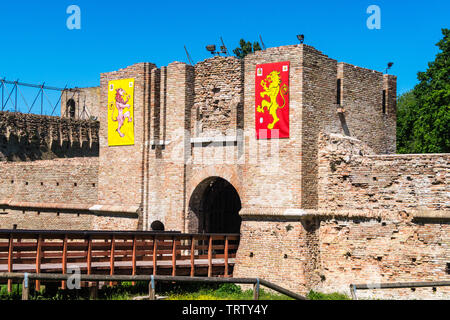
x: 15, y: 96
x: 152, y: 279
x: 397, y: 285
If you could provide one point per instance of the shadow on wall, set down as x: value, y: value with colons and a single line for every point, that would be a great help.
x: 25, y: 149
x: 28, y: 137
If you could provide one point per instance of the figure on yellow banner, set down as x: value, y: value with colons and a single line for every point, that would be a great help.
x: 271, y: 86
x: 121, y: 105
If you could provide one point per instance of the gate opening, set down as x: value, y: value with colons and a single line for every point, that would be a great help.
x: 214, y: 207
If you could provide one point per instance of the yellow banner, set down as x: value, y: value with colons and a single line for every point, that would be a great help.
x: 121, y: 112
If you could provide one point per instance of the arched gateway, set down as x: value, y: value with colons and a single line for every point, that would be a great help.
x: 214, y: 207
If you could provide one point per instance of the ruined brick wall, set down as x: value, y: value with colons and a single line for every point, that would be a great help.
x: 84, y: 101
x: 381, y: 218
x: 384, y: 218
x: 353, y: 179
x: 358, y: 250
x: 362, y: 100
x: 26, y: 137
x: 218, y: 93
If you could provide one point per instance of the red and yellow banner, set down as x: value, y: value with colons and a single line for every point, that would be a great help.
x: 272, y: 100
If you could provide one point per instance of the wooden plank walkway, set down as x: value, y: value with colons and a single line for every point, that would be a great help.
x: 119, y: 252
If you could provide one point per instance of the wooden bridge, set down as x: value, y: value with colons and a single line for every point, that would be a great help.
x: 117, y: 252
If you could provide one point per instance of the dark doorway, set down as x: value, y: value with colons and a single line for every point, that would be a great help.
x: 71, y: 108
x: 214, y: 207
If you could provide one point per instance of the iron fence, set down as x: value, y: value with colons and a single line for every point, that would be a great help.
x: 23, y: 97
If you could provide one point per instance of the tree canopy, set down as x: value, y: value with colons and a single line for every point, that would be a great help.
x: 423, y: 114
x: 245, y: 48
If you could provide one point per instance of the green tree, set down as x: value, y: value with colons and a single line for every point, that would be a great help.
x: 406, y: 115
x: 246, y: 48
x: 424, y: 118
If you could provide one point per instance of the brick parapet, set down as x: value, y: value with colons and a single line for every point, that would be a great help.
x: 27, y: 137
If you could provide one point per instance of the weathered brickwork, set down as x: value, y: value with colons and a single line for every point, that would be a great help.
x: 387, y: 217
x: 362, y: 100
x: 167, y: 156
x: 26, y: 137
x: 354, y: 180
x: 359, y: 250
x: 47, y: 218
x: 272, y: 172
x: 273, y: 249
x: 56, y: 194
x: 218, y: 95
x: 50, y: 181
x: 329, y: 206
x: 381, y: 218
x: 121, y: 169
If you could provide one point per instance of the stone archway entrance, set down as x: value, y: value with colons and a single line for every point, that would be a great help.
x: 214, y: 207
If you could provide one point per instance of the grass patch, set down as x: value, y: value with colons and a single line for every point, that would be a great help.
x: 312, y: 295
x: 172, y: 291
x: 227, y: 291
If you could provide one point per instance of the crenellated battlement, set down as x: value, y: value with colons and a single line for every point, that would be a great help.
x: 25, y: 137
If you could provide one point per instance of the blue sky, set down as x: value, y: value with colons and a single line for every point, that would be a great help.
x: 37, y: 46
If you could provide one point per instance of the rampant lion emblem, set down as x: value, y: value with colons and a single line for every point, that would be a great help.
x: 121, y: 104
x: 271, y: 86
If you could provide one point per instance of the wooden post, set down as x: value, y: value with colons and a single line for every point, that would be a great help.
x: 38, y: 261
x: 64, y: 261
x: 89, y: 258
x: 10, y: 260
x: 151, y: 289
x: 353, y: 292
x: 210, y: 256
x: 25, y: 288
x: 133, y: 260
x: 111, y: 260
x: 192, y: 256
x: 93, y: 291
x: 155, y: 257
x: 226, y: 257
x: 174, y: 256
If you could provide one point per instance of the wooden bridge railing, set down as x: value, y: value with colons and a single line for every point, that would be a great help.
x: 117, y: 252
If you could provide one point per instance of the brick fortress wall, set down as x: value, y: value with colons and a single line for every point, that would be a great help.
x: 384, y: 218
x: 292, y: 246
x: 381, y: 218
x: 25, y: 137
x: 313, y: 214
